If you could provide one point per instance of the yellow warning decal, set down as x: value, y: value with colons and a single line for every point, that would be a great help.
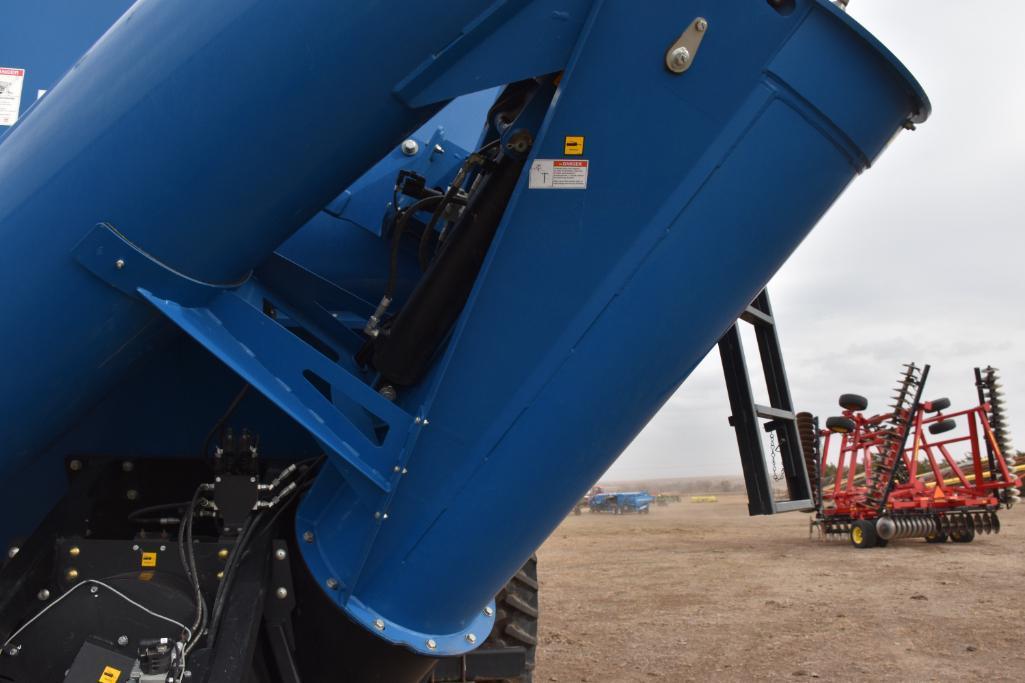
x: 110, y: 675
x: 574, y: 145
x: 149, y: 559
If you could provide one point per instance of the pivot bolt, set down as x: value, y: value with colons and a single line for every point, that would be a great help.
x: 379, y: 624
x: 13, y: 650
x: 280, y: 554
x: 410, y: 147
x: 679, y: 58
x: 281, y: 592
x: 43, y: 595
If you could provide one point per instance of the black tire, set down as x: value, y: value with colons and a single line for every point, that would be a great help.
x: 853, y: 402
x: 516, y: 617
x: 938, y: 405
x: 840, y: 425
x: 962, y: 536
x: 863, y: 534
x: 939, y: 537
x: 942, y: 426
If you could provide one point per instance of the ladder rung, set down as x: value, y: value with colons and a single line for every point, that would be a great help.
x: 774, y: 413
x: 756, y: 317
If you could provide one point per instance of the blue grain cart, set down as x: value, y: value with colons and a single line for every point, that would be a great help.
x: 319, y: 317
x: 622, y: 502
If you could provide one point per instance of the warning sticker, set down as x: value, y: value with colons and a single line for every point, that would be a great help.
x: 558, y: 174
x: 11, y: 81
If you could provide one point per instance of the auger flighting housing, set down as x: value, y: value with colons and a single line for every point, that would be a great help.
x: 216, y: 196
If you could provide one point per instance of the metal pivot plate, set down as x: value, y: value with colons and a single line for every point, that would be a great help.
x: 681, y: 53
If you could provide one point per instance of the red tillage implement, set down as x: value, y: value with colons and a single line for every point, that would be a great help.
x: 916, y: 471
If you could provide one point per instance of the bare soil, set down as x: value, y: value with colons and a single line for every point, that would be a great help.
x: 697, y: 592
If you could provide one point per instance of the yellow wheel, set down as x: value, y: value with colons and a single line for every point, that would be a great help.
x: 863, y: 534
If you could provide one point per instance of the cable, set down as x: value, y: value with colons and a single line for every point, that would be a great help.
x: 232, y: 407
x: 147, y: 610
x: 187, y: 555
x: 135, y: 514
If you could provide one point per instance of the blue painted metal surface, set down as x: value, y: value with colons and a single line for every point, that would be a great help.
x: 592, y: 307
x: 205, y: 136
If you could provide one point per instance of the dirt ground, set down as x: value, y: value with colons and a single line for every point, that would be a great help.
x: 697, y: 592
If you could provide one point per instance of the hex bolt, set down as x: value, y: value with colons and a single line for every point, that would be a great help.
x: 308, y: 536
x: 75, y: 465
x: 135, y: 548
x: 410, y: 147
x: 119, y: 264
x: 43, y: 595
x: 418, y: 420
x: 163, y: 548
x: 379, y: 624
x: 94, y: 589
x: 377, y: 515
x: 281, y: 593
x: 280, y: 554
x: 471, y: 638
x: 131, y: 494
x: 122, y: 641
x: 432, y: 644
x: 74, y: 551
x: 679, y: 58
x: 222, y: 554
x: 127, y: 466
x: 71, y: 574
x: 488, y: 612
x: 332, y: 583
x: 396, y: 469
x: 13, y: 650
x: 220, y: 575
x: 701, y: 25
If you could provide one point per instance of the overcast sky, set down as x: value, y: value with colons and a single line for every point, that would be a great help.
x: 941, y: 213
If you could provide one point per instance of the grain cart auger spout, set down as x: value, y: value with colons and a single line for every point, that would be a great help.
x: 302, y: 298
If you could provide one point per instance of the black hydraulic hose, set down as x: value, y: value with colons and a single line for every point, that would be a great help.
x: 401, y: 220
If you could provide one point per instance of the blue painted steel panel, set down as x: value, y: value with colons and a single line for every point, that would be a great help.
x: 595, y: 304
x: 129, y: 137
x: 592, y: 306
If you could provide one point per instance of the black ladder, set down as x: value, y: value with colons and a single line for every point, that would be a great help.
x: 779, y: 415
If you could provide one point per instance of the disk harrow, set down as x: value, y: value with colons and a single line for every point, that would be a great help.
x: 808, y: 432
x: 894, y: 476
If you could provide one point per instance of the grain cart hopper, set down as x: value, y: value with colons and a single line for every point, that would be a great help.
x: 293, y: 387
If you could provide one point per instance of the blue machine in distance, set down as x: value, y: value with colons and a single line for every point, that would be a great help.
x: 430, y: 273
x: 618, y: 502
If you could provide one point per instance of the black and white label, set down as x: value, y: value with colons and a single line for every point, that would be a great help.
x: 558, y: 174
x: 11, y: 81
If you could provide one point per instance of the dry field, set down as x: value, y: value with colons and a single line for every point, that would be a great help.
x: 698, y: 592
